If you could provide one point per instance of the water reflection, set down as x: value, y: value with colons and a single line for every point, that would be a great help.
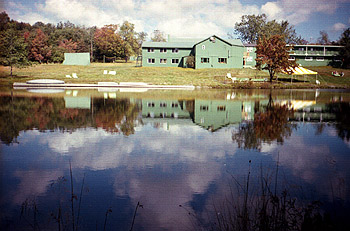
x: 164, y: 151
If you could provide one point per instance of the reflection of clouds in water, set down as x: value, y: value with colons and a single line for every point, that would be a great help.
x: 315, y: 162
x: 63, y: 142
x: 268, y: 148
x: 99, y: 150
x: 33, y: 183
x: 161, y: 194
x: 162, y: 191
x: 293, y: 155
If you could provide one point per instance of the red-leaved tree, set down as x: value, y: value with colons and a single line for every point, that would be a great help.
x: 273, y: 55
x: 39, y: 50
x: 108, y: 41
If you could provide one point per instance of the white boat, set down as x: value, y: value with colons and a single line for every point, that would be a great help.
x: 45, y: 81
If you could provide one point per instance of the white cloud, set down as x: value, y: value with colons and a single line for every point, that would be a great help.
x: 339, y: 27
x: 272, y: 10
x: 182, y: 18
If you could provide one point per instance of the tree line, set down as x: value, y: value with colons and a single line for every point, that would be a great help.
x: 22, y: 43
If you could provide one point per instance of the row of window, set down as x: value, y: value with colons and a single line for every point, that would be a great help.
x: 220, y: 60
x: 151, y: 104
x: 162, y: 61
x: 163, y: 50
x: 308, y: 58
x: 206, y: 108
x: 162, y: 115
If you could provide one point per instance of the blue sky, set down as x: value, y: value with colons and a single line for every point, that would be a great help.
x: 186, y: 18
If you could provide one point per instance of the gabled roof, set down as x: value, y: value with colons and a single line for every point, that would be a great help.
x: 188, y: 42
x: 168, y: 44
x: 232, y: 42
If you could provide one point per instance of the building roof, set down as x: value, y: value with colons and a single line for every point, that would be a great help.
x: 187, y: 42
x: 168, y: 44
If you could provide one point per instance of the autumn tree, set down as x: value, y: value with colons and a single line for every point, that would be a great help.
x: 39, y: 49
x: 345, y: 50
x: 273, y: 55
x: 13, y: 49
x: 108, y: 42
x: 158, y: 36
x: 253, y: 27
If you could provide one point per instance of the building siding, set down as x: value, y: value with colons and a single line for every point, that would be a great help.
x: 215, y: 52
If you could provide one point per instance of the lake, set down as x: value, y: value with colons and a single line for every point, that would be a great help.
x: 175, y: 160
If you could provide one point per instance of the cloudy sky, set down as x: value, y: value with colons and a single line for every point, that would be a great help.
x: 186, y: 18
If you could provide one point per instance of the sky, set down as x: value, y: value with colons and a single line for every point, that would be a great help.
x: 186, y: 18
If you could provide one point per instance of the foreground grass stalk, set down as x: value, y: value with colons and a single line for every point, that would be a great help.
x: 72, y: 194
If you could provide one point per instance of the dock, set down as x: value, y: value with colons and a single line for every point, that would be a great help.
x: 100, y: 85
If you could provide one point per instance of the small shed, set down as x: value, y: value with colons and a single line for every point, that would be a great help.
x: 76, y: 59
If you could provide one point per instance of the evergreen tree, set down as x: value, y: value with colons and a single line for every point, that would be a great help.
x: 13, y: 49
x: 345, y: 50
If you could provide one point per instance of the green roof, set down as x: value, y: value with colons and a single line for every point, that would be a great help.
x: 187, y: 42
x: 168, y: 44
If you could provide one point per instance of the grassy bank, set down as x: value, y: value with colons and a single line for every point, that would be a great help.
x: 213, y: 78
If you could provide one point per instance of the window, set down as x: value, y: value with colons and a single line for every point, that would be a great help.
x: 162, y: 114
x: 291, y: 58
x: 204, y: 108
x: 204, y: 60
x: 150, y: 104
x: 174, y: 60
x: 162, y: 104
x: 249, y: 59
x: 222, y: 60
x: 308, y: 59
x: 319, y: 59
x: 151, y: 60
x: 221, y: 108
x: 162, y: 50
x: 203, y: 47
x: 249, y: 49
x: 174, y: 105
x: 150, y: 50
x: 163, y: 61
x: 175, y: 50
x: 301, y: 48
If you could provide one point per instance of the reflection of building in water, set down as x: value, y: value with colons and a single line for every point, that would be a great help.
x: 214, y: 114
x: 314, y: 113
x: 209, y: 114
x: 309, y: 110
x: 77, y: 102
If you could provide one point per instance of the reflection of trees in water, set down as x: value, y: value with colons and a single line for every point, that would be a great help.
x: 342, y: 112
x: 43, y: 113
x: 270, y: 124
x: 115, y: 115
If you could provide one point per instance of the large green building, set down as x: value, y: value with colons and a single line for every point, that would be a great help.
x: 212, y: 52
x: 215, y: 52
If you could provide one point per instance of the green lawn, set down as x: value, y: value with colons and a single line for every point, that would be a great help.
x: 127, y: 72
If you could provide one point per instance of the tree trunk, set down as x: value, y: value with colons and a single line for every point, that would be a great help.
x: 11, y: 70
x: 271, y: 75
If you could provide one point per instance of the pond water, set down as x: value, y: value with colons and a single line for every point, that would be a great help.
x: 174, y: 160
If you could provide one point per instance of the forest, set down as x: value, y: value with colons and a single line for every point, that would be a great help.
x: 22, y: 43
